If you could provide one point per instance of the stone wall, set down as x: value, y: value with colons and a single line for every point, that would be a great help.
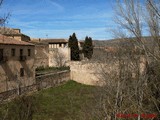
x: 41, y: 55
x: 87, y: 73
x: 42, y: 82
x: 95, y: 73
x: 52, y: 79
x: 59, y: 56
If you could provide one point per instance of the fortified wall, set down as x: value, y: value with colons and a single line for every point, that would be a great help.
x: 90, y: 73
x: 97, y: 73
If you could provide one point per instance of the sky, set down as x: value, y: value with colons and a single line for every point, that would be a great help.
x: 60, y: 18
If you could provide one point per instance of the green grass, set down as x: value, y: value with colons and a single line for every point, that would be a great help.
x: 66, y: 102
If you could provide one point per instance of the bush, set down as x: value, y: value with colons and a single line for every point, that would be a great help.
x: 22, y: 108
x: 41, y: 68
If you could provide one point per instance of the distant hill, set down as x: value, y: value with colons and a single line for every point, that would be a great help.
x: 117, y: 42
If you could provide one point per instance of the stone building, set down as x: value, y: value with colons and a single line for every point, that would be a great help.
x: 14, y: 33
x: 51, y: 52
x: 16, y: 63
x: 56, y: 43
x: 41, y: 53
x: 59, y: 53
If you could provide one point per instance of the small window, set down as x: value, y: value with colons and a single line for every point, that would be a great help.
x: 21, y: 52
x: 13, y: 52
x: 21, y: 72
x: 29, y: 52
x: 60, y: 45
x: 1, y: 54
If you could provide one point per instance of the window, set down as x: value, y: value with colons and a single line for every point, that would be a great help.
x: 60, y: 45
x: 13, y: 52
x: 29, y: 52
x: 21, y: 72
x: 1, y: 54
x: 21, y: 52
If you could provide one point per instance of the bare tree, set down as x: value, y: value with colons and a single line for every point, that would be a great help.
x: 131, y: 17
x: 58, y: 58
x: 132, y: 86
x: 5, y: 17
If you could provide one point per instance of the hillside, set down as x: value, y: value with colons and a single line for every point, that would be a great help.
x: 115, y: 42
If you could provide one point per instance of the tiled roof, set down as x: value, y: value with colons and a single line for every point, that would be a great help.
x: 10, y: 41
x: 38, y: 43
x: 55, y: 40
x: 12, y: 32
x: 9, y: 31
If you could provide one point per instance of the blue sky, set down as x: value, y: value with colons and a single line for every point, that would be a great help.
x: 60, y: 18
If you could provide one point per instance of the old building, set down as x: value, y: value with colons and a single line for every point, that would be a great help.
x: 14, y: 33
x: 16, y: 64
x: 56, y: 43
x: 41, y: 53
x: 59, y: 53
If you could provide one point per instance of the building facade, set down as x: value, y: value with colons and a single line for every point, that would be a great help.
x: 56, y: 50
x: 16, y: 64
x: 59, y: 52
x: 41, y: 53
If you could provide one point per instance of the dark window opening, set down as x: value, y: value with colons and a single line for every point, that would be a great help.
x: 1, y: 54
x: 29, y: 52
x: 60, y: 45
x: 13, y: 52
x: 21, y: 72
x: 21, y: 52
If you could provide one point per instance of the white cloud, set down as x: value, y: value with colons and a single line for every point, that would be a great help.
x: 60, y: 7
x: 38, y: 7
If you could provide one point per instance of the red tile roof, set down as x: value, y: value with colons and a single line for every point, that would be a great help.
x: 10, y: 41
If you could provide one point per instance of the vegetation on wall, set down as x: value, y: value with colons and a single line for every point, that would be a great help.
x: 42, y: 69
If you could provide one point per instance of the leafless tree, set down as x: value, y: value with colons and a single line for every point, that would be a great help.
x: 132, y: 87
x: 5, y: 17
x: 59, y: 58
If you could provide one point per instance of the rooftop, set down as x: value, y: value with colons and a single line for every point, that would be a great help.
x: 55, y: 40
x: 10, y: 41
x: 11, y: 32
x: 4, y: 30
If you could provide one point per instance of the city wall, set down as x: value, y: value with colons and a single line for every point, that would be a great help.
x: 97, y: 73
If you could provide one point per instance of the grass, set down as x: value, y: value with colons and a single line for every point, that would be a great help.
x: 65, y: 102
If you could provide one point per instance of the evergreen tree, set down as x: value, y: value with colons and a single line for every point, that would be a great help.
x: 73, y: 44
x: 88, y: 47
